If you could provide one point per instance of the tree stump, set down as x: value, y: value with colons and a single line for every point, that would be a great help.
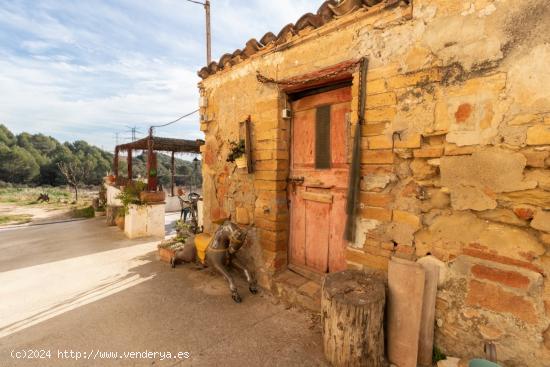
x: 111, y: 214
x: 352, y: 315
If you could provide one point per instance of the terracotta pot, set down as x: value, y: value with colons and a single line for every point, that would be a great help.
x: 166, y: 254
x: 152, y: 196
x: 120, y: 222
x: 109, y: 179
x: 241, y: 162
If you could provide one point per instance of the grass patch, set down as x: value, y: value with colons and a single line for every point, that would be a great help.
x: 87, y: 212
x: 28, y: 195
x: 15, y: 219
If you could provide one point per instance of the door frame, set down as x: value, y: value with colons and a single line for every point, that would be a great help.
x: 289, y: 95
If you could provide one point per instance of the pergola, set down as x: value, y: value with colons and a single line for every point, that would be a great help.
x: 152, y: 144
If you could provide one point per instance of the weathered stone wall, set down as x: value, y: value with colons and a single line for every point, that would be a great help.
x: 455, y: 162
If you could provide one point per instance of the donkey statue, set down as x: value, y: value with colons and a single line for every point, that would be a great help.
x: 220, y: 254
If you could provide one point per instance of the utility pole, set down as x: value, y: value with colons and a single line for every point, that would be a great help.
x: 206, y: 5
x: 208, y: 33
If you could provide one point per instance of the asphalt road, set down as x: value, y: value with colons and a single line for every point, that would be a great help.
x: 81, y: 294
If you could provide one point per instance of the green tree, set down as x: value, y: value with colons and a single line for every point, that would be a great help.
x: 17, y: 165
x: 6, y: 136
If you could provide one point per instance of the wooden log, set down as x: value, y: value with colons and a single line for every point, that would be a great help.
x: 352, y: 314
x: 111, y: 213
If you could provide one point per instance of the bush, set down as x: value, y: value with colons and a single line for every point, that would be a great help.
x: 87, y: 212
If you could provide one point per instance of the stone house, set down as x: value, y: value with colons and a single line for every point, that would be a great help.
x: 455, y: 151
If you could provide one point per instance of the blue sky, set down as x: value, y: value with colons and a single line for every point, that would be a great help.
x: 87, y: 69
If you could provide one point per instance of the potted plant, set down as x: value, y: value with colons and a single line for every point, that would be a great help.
x: 167, y: 249
x: 109, y: 179
x: 121, y: 213
x: 131, y: 194
x: 237, y: 153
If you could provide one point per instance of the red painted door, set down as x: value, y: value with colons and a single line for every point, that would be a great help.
x: 319, y: 180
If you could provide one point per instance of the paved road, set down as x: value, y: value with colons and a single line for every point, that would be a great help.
x: 83, y: 287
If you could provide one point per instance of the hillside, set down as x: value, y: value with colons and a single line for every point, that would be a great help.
x: 32, y: 159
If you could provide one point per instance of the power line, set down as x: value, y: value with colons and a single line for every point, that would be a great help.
x: 178, y: 119
x: 196, y: 2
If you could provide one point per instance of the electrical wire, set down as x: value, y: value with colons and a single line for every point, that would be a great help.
x: 196, y: 2
x: 178, y: 119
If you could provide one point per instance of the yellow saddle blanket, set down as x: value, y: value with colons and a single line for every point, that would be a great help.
x: 202, y: 240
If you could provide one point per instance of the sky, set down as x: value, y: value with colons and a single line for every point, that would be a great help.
x: 88, y: 69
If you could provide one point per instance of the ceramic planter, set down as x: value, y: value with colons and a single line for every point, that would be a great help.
x: 241, y: 162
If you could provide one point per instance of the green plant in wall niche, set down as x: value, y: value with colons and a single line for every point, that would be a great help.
x: 236, y: 150
x: 437, y: 355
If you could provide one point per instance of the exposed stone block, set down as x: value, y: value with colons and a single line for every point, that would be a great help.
x: 376, y: 199
x: 377, y: 157
x: 417, y: 78
x: 379, y: 142
x: 373, y: 129
x: 380, y: 114
x: 494, y: 298
x: 524, y: 212
x: 241, y: 216
x: 411, y: 140
x: 381, y: 100
x: 538, y: 135
x: 503, y: 216
x: 422, y: 170
x: 379, y: 214
x: 273, y: 246
x: 376, y: 86
x: 375, y: 182
x: 536, y: 158
x: 452, y: 149
x: 410, y: 219
x: 541, y: 176
x: 474, y: 180
x: 271, y: 175
x: 431, y: 152
x: 465, y: 231
x: 270, y: 185
x: 525, y: 119
x: 532, y: 197
x: 504, y: 277
x: 368, y: 260
x: 541, y: 221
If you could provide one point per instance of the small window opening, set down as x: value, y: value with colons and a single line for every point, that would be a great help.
x: 322, y: 138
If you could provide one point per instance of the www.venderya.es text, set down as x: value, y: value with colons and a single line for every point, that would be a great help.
x: 70, y: 354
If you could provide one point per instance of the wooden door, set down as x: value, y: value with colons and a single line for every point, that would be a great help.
x: 319, y: 180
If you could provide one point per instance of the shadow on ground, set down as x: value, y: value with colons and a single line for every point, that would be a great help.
x: 177, y: 310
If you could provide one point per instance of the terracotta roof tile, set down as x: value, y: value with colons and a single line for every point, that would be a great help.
x: 329, y: 10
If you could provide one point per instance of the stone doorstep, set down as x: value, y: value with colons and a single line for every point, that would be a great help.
x: 295, y: 289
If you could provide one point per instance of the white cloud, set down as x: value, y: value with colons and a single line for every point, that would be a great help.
x: 85, y: 70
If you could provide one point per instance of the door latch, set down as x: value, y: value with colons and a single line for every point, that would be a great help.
x: 295, y: 180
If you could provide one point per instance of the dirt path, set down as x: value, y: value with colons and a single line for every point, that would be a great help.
x: 39, y: 214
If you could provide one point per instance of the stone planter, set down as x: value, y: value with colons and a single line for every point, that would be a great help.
x: 145, y: 220
x: 152, y: 196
